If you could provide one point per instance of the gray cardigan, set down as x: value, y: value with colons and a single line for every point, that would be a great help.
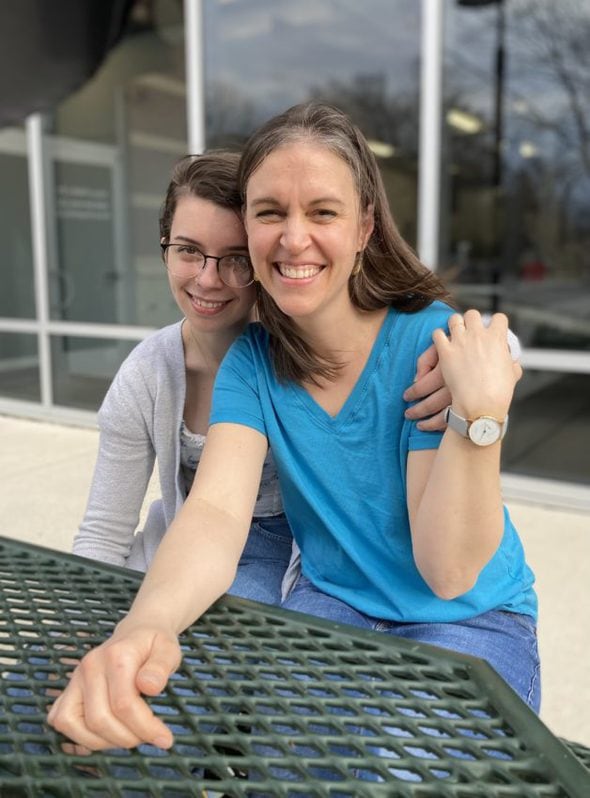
x: 139, y: 420
x: 139, y: 423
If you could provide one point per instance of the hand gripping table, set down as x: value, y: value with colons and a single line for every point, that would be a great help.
x: 266, y: 703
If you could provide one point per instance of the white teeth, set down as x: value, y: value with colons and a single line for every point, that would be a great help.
x: 202, y: 303
x: 298, y: 272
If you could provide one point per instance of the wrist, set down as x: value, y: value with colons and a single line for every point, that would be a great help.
x: 473, y: 410
x: 482, y: 430
x: 137, y: 621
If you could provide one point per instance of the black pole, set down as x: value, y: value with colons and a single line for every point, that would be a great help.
x: 497, y: 171
x: 499, y: 94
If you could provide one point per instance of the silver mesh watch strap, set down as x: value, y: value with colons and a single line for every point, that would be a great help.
x: 461, y: 425
x: 455, y: 422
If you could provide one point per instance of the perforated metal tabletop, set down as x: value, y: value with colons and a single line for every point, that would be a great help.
x: 266, y: 703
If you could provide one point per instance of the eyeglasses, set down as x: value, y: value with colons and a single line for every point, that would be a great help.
x: 185, y: 260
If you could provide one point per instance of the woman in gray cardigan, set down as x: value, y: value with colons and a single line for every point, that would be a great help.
x: 158, y: 405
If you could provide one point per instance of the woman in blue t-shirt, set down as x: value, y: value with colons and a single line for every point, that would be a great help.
x: 400, y: 530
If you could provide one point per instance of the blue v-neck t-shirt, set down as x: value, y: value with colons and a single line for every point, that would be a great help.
x: 343, y: 477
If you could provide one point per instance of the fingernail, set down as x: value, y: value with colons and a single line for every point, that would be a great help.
x: 162, y: 742
x: 147, y: 676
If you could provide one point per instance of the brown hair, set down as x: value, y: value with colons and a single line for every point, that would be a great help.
x: 390, y: 273
x: 211, y: 176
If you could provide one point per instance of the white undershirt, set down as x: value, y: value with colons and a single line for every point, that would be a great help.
x: 268, y: 501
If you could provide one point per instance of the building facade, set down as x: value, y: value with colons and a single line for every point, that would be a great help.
x: 477, y: 110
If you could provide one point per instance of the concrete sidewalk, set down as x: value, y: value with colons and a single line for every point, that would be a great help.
x: 45, y: 473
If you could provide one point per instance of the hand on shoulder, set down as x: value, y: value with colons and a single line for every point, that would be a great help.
x: 477, y: 365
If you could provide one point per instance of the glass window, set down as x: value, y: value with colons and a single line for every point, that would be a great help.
x: 19, y: 367
x: 83, y: 369
x: 111, y: 147
x: 261, y: 57
x: 84, y: 284
x: 17, y: 297
x: 550, y: 427
x: 516, y: 180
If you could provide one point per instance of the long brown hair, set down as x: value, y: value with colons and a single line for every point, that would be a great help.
x: 211, y: 176
x: 389, y: 271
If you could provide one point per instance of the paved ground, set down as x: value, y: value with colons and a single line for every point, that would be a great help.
x: 45, y: 471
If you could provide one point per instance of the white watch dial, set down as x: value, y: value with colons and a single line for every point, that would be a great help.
x: 484, y: 431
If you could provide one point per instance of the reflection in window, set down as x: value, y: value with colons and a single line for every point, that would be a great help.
x: 112, y: 146
x: 16, y: 262
x: 19, y: 367
x: 516, y: 184
x: 83, y: 369
x: 85, y: 284
x: 262, y: 57
x: 549, y: 432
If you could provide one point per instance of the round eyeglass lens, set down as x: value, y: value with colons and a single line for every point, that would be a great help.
x: 183, y: 260
x: 236, y: 271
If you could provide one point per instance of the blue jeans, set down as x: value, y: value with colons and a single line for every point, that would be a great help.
x: 264, y: 560
x: 507, y: 640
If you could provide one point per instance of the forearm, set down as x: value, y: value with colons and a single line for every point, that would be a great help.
x: 195, y: 564
x: 458, y: 522
x: 197, y: 559
x: 121, y: 474
x: 104, y: 536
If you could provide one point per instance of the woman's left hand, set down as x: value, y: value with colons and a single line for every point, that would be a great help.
x: 476, y: 364
x: 429, y: 392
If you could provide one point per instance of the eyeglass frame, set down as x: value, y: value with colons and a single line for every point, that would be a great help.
x: 216, y: 258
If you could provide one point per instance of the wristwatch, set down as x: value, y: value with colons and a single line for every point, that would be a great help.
x: 483, y: 430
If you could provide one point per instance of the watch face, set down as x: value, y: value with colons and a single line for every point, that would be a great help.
x: 484, y: 431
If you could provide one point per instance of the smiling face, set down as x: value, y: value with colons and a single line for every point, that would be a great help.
x: 305, y: 229
x: 208, y: 304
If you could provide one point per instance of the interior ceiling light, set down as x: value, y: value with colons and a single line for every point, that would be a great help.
x: 528, y: 150
x: 381, y: 148
x: 464, y: 121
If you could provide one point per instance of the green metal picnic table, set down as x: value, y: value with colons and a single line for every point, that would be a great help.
x: 265, y: 703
